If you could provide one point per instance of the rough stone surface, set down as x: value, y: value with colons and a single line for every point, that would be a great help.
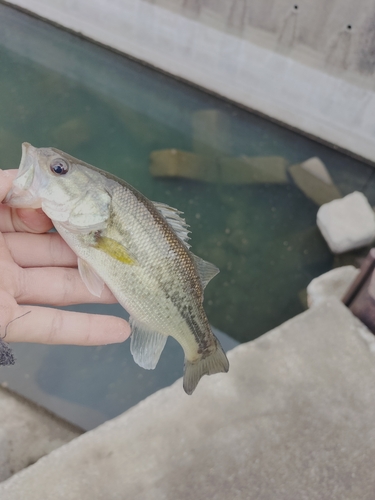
x: 332, y: 284
x: 5, y: 470
x: 314, y: 181
x: 293, y: 419
x: 27, y: 433
x: 347, y: 223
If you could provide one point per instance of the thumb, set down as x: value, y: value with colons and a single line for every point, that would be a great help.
x: 30, y: 220
x: 20, y: 219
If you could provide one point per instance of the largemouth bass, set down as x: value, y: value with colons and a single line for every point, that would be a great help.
x: 138, y: 248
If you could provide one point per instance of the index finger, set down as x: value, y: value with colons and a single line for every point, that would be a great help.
x: 45, y: 325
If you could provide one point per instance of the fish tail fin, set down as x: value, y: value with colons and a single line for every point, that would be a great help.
x: 214, y: 363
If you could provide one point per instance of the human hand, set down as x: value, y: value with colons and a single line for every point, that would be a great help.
x: 42, y: 269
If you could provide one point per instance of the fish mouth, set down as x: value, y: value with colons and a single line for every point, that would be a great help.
x: 22, y: 194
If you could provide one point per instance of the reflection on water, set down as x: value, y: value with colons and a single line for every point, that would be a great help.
x: 58, y: 90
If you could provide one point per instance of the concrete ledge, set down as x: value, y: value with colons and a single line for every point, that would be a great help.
x: 294, y: 418
x: 27, y: 433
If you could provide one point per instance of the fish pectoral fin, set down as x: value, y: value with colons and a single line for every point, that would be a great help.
x: 114, y: 249
x: 146, y: 346
x: 205, y: 269
x: 93, y: 282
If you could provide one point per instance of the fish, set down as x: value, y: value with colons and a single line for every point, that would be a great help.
x: 137, y: 247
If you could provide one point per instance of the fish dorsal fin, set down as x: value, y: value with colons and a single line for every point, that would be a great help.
x: 205, y: 269
x: 94, y: 284
x: 146, y: 345
x: 177, y: 223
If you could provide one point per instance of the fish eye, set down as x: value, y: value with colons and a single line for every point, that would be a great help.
x: 59, y: 167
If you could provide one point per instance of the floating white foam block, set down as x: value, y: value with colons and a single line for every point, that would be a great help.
x: 347, y: 223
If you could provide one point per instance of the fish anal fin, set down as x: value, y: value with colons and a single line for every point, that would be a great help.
x: 92, y: 281
x: 146, y: 345
x: 205, y: 269
x: 216, y: 362
x: 114, y: 249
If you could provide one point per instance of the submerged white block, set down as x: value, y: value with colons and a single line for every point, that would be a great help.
x: 347, y: 223
x: 334, y: 283
x: 316, y: 167
x: 313, y: 179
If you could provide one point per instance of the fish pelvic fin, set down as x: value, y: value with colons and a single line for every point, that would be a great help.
x: 216, y: 362
x: 146, y: 346
x: 92, y: 281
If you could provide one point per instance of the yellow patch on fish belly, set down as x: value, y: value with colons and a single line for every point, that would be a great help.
x: 114, y: 249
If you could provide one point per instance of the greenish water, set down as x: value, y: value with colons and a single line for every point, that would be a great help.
x: 59, y: 90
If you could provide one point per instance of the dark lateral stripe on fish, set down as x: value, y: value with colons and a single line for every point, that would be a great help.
x: 187, y: 314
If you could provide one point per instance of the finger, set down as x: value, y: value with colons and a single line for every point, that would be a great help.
x: 19, y: 219
x: 47, y: 285
x: 23, y: 219
x: 30, y: 220
x: 6, y: 181
x: 56, y: 287
x: 42, y: 250
x: 5, y: 254
x: 51, y: 326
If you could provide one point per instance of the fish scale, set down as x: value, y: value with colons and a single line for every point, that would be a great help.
x: 136, y: 247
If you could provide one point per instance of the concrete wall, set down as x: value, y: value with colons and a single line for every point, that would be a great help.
x: 307, y: 63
